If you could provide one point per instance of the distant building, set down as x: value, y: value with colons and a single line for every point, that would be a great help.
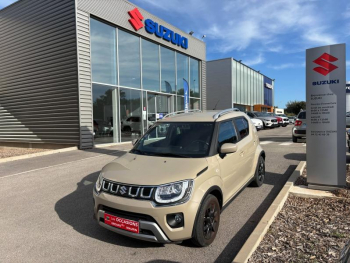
x: 230, y: 83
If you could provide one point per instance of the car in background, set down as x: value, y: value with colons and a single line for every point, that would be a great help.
x: 101, y: 128
x: 292, y: 119
x: 285, y: 119
x: 257, y: 123
x: 299, y: 129
x: 268, y: 121
x: 279, y: 119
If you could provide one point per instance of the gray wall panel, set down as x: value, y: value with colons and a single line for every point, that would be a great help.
x: 219, y: 84
x: 85, y: 87
x: 116, y: 12
x: 38, y: 73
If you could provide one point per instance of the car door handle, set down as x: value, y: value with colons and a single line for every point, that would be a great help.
x: 242, y: 154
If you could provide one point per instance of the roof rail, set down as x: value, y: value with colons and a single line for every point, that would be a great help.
x: 223, y: 112
x: 180, y: 112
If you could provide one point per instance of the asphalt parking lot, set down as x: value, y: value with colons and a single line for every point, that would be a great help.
x: 46, y: 209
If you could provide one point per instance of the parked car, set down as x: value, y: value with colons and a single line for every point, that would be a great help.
x: 101, y: 128
x: 257, y: 123
x: 268, y: 121
x: 299, y: 129
x: 175, y: 181
x: 279, y: 119
x: 285, y: 119
x: 292, y: 119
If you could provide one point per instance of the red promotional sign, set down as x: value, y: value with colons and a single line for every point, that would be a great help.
x: 122, y: 223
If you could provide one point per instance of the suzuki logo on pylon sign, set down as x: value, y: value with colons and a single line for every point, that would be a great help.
x: 326, y: 67
x: 135, y: 19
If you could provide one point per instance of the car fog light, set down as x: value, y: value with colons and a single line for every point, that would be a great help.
x: 175, y: 220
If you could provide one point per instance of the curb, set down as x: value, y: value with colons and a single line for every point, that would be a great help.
x: 260, y: 230
x: 27, y: 156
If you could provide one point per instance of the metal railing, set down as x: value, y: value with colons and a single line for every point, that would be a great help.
x: 221, y: 113
x: 180, y: 112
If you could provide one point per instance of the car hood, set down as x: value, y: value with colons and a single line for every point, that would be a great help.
x: 256, y: 121
x: 152, y: 170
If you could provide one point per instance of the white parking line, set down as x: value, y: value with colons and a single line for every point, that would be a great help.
x: 266, y: 142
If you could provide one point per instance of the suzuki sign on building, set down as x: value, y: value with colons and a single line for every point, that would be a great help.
x: 325, y: 115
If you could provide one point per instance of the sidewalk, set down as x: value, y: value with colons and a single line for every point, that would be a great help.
x: 20, y: 166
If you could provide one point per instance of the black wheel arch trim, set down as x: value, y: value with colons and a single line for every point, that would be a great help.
x: 211, y: 189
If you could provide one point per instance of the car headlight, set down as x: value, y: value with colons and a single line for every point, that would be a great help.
x: 174, y: 192
x: 98, y: 184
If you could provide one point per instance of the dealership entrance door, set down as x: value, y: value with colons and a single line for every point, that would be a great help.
x: 157, y: 106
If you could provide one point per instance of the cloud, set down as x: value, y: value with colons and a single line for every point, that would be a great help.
x: 255, y: 61
x: 286, y: 65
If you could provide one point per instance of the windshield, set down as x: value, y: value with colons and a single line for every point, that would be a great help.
x: 262, y: 114
x: 282, y: 115
x: 176, y: 139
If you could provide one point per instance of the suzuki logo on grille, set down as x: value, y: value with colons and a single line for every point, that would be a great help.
x: 326, y: 67
x: 122, y: 190
x: 135, y: 19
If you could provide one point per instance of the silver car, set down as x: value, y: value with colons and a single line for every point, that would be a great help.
x: 299, y: 129
x: 284, y: 118
x: 292, y: 119
x: 268, y: 121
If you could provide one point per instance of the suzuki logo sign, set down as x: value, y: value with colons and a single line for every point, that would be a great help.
x: 158, y: 30
x: 135, y: 19
x: 326, y: 67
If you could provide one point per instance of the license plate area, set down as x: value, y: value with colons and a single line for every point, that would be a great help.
x: 122, y: 223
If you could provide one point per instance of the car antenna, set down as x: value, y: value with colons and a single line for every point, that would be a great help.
x: 216, y: 104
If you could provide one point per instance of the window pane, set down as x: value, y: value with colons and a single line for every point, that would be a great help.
x: 129, y: 60
x: 242, y: 127
x: 182, y: 72
x: 130, y: 114
x: 102, y: 113
x: 195, y: 104
x: 103, y: 53
x: 227, y: 134
x: 194, y: 78
x: 168, y: 70
x: 180, y: 103
x: 150, y: 65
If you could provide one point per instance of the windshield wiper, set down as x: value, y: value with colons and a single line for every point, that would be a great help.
x: 173, y: 155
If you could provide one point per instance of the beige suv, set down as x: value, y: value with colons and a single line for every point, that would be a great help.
x: 175, y: 181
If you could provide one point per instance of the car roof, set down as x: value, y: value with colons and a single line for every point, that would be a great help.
x: 205, y: 116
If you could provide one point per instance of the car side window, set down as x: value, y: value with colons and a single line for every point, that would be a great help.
x: 227, y: 133
x: 250, y: 114
x: 242, y: 127
x: 302, y: 115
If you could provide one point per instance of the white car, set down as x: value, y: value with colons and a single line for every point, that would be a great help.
x: 257, y: 123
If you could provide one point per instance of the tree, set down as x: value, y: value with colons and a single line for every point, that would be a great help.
x: 294, y: 107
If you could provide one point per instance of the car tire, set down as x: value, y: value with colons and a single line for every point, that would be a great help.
x: 207, y: 223
x: 259, y: 176
x: 295, y: 139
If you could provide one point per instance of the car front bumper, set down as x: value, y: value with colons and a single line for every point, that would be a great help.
x: 152, y: 219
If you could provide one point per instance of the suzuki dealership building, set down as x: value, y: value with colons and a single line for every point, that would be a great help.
x: 92, y: 71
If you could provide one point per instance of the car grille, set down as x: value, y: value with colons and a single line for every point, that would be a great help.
x: 128, y: 191
x: 273, y: 120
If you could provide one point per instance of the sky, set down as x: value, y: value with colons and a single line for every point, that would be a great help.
x: 267, y: 35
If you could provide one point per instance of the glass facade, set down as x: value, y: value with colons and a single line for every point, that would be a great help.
x: 182, y: 72
x: 135, y: 82
x: 103, y: 53
x: 247, y: 85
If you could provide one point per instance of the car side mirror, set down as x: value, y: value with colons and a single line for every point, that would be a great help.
x: 228, y: 148
x: 134, y: 141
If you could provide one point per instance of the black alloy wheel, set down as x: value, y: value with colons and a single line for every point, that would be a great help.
x: 259, y: 173
x: 207, y: 223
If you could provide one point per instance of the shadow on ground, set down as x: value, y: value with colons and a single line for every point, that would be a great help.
x: 76, y: 210
x: 235, y: 244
